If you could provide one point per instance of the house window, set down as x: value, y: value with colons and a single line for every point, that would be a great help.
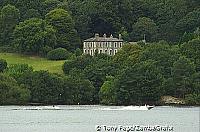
x: 120, y: 44
x: 110, y: 52
x: 115, y: 51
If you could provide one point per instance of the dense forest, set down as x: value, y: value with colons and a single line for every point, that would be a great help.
x: 141, y: 73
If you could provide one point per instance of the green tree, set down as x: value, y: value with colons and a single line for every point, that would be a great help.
x: 163, y: 55
x: 107, y: 93
x: 192, y: 51
x: 18, y: 70
x: 80, y: 62
x: 78, y: 91
x: 190, y: 22
x: 167, y: 14
x: 32, y: 13
x: 9, y: 18
x: 11, y: 92
x: 140, y: 84
x: 66, y: 34
x: 58, y: 54
x: 182, y: 71
x: 192, y: 99
x: 78, y: 52
x: 186, y: 37
x: 128, y: 55
x: 144, y: 26
x: 3, y: 65
x: 45, y: 87
x: 48, y: 5
x: 27, y: 5
x: 195, y: 78
x: 33, y: 35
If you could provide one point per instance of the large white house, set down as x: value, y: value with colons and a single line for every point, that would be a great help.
x: 106, y: 45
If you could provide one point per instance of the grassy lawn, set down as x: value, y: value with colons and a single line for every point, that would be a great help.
x: 36, y: 62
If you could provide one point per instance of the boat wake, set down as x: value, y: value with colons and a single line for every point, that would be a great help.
x: 40, y: 108
x: 146, y: 107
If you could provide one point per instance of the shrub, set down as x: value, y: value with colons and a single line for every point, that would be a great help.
x: 192, y: 99
x: 11, y: 92
x: 18, y: 70
x: 3, y: 65
x: 7, y: 49
x: 78, y: 52
x: 45, y: 87
x: 107, y: 93
x: 58, y: 54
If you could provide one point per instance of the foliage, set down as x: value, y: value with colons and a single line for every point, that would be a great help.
x: 180, y: 83
x: 144, y: 26
x: 9, y: 18
x: 159, y: 20
x: 52, y: 88
x: 128, y: 55
x: 190, y: 22
x: 192, y: 50
x: 107, y: 92
x: 58, y: 54
x: 78, y: 91
x: 3, y: 65
x: 32, y: 13
x: 18, y: 70
x: 45, y: 87
x: 163, y: 54
x: 141, y: 72
x: 79, y: 62
x: 66, y: 34
x: 32, y: 35
x: 195, y: 79
x: 11, y: 92
x: 139, y: 84
x: 78, y: 52
x: 193, y: 99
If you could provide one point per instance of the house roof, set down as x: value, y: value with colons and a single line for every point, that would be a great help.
x: 102, y: 39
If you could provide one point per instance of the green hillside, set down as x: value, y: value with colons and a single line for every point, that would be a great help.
x: 36, y: 62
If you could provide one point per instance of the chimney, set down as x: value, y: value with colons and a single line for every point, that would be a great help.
x: 111, y: 36
x: 96, y: 35
x: 120, y: 36
x: 104, y: 35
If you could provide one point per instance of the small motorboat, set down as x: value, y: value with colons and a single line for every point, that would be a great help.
x: 145, y: 107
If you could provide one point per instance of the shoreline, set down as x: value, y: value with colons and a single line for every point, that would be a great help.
x: 181, y: 106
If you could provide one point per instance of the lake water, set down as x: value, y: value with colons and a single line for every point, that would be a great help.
x: 89, y: 118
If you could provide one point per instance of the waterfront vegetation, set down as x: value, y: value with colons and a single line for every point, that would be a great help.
x: 34, y: 34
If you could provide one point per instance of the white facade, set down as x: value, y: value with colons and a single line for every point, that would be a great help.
x: 106, y: 45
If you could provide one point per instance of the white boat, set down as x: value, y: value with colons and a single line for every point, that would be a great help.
x: 145, y: 107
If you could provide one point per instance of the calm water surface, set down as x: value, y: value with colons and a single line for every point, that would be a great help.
x: 85, y: 118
